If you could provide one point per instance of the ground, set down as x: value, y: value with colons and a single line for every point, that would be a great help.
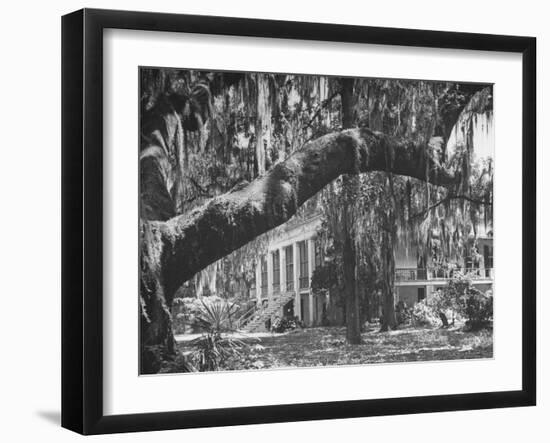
x: 326, y: 346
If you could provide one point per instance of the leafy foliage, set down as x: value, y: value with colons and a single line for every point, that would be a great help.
x: 283, y: 324
x: 212, y: 350
x: 475, y: 306
x: 478, y: 310
x: 461, y: 300
x: 425, y: 314
x: 325, y: 277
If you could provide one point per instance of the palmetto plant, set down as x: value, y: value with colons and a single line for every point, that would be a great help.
x: 215, y: 346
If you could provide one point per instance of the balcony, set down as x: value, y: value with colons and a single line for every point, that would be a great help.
x: 403, y: 275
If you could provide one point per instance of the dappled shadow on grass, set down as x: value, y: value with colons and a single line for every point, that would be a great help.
x: 326, y: 346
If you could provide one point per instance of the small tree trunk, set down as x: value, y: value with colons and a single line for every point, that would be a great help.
x: 353, y: 324
x: 157, y: 342
x: 156, y: 336
x: 389, y: 320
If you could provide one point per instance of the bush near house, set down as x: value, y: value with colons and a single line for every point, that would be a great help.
x: 470, y: 303
x: 186, y: 312
x: 459, y: 300
x: 216, y: 346
x: 478, y: 310
x: 284, y: 324
x: 424, y: 315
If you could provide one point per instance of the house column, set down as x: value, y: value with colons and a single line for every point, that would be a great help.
x: 269, y: 275
x: 282, y: 271
x: 310, y: 267
x: 259, y: 281
x: 429, y: 291
x: 295, y: 269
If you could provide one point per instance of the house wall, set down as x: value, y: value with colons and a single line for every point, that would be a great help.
x: 407, y: 294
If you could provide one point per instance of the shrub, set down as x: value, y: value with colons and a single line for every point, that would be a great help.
x: 478, y: 310
x: 213, y: 349
x: 458, y: 300
x: 423, y: 314
x: 469, y: 302
x: 283, y: 324
x: 439, y: 309
x: 403, y: 314
x: 186, y: 311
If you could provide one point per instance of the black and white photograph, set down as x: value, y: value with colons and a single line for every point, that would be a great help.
x: 297, y: 221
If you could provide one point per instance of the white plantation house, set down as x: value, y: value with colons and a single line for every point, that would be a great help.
x: 283, y: 276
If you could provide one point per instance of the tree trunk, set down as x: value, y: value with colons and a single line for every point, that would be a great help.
x: 389, y: 320
x: 444, y: 321
x: 156, y: 337
x: 389, y: 242
x: 353, y: 324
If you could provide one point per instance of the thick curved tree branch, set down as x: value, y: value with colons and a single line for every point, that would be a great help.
x: 191, y: 241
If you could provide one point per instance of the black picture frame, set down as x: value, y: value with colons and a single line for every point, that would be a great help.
x: 82, y: 216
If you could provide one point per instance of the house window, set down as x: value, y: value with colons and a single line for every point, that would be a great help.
x: 264, y: 276
x: 289, y: 255
x: 421, y: 294
x: 304, y: 273
x: 276, y: 271
x: 252, y: 291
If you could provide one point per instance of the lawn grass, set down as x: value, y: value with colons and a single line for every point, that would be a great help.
x: 326, y: 346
